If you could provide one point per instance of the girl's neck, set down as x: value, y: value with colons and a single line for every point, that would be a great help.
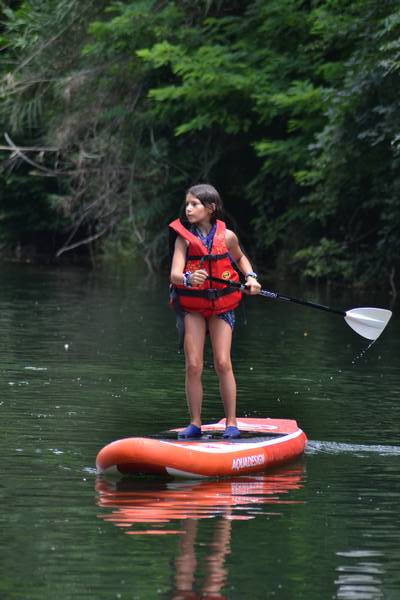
x: 204, y: 227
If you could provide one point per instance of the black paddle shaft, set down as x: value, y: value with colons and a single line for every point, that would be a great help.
x: 276, y: 296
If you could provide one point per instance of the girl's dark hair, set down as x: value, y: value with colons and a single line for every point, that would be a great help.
x: 207, y: 194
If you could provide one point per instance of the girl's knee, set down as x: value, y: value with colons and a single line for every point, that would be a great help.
x: 223, y: 365
x: 194, y: 368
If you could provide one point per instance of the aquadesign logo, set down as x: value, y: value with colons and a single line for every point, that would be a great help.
x: 247, y: 461
x: 226, y: 275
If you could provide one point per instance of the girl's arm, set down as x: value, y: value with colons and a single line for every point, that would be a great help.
x: 242, y: 261
x: 178, y: 261
x: 178, y: 265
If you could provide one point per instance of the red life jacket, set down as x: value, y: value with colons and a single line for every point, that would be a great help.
x: 211, y: 298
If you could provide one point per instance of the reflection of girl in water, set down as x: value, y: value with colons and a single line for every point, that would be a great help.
x: 215, y: 574
x: 137, y: 502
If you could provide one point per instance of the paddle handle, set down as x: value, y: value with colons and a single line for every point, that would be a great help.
x: 276, y: 296
x: 311, y: 304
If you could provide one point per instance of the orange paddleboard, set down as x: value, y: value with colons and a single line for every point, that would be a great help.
x: 264, y: 443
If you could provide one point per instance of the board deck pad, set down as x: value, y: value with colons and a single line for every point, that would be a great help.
x: 251, y: 425
x: 216, y: 436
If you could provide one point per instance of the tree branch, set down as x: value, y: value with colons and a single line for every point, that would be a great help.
x: 87, y: 240
x: 19, y: 153
x: 29, y: 149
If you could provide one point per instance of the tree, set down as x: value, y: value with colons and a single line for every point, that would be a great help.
x: 355, y: 159
x: 286, y: 106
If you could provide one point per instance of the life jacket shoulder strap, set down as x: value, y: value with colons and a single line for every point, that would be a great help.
x: 196, y: 245
x: 189, y: 236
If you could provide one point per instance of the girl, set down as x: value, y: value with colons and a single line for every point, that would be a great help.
x: 203, y: 248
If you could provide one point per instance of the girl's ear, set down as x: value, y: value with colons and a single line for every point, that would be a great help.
x: 212, y: 207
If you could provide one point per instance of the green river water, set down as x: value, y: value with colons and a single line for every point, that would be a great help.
x: 87, y: 358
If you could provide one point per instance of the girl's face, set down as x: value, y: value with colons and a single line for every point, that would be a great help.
x: 196, y: 211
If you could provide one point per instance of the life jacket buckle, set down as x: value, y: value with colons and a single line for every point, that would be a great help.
x: 212, y: 293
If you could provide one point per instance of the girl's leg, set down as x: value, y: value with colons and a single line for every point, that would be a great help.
x: 221, y: 340
x: 195, y: 333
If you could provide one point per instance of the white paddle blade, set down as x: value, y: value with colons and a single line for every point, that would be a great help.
x: 368, y: 322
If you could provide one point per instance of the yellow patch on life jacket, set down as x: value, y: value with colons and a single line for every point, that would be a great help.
x: 226, y: 275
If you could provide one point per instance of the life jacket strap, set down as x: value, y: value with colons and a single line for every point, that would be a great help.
x: 209, y: 293
x: 203, y: 257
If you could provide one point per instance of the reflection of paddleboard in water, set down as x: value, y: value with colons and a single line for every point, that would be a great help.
x: 152, y: 506
x: 151, y: 501
x: 264, y: 443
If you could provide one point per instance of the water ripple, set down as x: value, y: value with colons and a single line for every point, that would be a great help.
x: 315, y: 446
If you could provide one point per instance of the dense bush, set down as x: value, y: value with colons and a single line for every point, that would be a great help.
x: 289, y: 107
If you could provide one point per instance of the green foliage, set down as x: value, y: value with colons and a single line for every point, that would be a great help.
x: 355, y: 158
x: 290, y: 108
x: 27, y: 218
x: 327, y: 260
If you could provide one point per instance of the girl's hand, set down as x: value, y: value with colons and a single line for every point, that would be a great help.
x: 252, y: 286
x: 197, y: 278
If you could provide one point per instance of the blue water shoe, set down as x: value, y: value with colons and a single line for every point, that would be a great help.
x: 231, y: 432
x: 191, y: 431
